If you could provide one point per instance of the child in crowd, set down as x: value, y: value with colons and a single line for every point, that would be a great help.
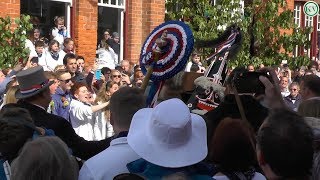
x: 34, y: 62
x: 59, y: 32
x: 195, y: 61
x: 68, y: 45
x: 54, y: 57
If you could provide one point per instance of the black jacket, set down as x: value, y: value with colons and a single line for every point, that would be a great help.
x: 290, y: 104
x: 254, y: 112
x: 63, y: 129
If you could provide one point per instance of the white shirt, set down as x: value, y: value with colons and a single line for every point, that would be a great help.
x: 257, y: 176
x: 102, y: 128
x: 29, y: 45
x: 59, y: 37
x: 106, y: 58
x: 110, y: 162
x: 48, y: 63
x: 189, y: 65
x: 81, y: 119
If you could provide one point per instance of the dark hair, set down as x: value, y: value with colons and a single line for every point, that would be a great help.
x: 39, y: 44
x: 285, y: 142
x: 105, y: 70
x: 67, y: 57
x: 52, y: 42
x: 34, y: 60
x: 119, y: 68
x: 128, y: 176
x: 235, y: 72
x: 80, y: 57
x: 13, y: 134
x: 124, y: 103
x: 232, y: 146
x: 312, y: 82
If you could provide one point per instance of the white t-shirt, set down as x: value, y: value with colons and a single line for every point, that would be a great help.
x: 257, y: 176
x: 82, y: 120
x: 106, y: 58
x: 32, y: 49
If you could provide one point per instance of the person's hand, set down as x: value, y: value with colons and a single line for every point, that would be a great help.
x: 18, y: 67
x: 126, y: 78
x: 272, y: 96
x: 94, y: 67
x: 103, y: 78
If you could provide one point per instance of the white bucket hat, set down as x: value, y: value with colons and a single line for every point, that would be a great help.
x: 168, y: 135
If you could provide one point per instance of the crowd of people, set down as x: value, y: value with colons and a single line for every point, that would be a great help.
x: 61, y: 119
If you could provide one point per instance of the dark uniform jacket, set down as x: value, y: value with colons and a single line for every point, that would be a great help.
x: 63, y: 129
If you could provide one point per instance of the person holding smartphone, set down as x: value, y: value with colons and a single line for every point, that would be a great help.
x: 59, y: 32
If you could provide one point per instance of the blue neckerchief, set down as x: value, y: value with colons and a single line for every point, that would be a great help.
x: 54, y: 55
x: 148, y: 170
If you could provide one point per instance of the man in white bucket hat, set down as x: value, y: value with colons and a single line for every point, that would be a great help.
x: 168, y: 137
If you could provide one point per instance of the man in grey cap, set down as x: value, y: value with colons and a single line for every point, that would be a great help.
x: 34, y: 95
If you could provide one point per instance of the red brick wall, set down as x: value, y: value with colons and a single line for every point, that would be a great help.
x: 10, y: 8
x: 143, y: 16
x: 85, y: 30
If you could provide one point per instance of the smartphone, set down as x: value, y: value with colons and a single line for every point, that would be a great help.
x: 98, y: 74
x: 248, y: 82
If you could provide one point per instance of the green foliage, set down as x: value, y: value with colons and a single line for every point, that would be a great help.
x: 207, y: 21
x: 12, y: 42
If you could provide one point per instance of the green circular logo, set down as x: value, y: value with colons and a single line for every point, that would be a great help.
x: 311, y: 8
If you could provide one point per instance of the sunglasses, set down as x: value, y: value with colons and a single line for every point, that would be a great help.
x: 293, y: 89
x: 65, y: 81
x: 119, y: 76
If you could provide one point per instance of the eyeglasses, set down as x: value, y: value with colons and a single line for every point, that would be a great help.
x: 293, y: 89
x: 65, y: 81
x: 119, y: 76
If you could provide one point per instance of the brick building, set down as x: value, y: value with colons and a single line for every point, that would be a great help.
x: 87, y: 19
x: 302, y: 20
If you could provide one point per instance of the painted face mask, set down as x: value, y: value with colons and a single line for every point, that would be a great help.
x: 209, y: 88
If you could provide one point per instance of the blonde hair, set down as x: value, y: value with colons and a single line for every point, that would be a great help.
x: 58, y: 18
x: 310, y: 108
x: 59, y: 67
x: 44, y: 158
x: 10, y: 95
x: 103, y: 97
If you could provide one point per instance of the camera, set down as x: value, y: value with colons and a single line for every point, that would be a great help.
x: 248, y: 82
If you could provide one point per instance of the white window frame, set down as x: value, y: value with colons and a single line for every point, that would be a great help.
x: 297, y: 14
x: 318, y: 24
x: 122, y: 8
x: 308, y: 21
x: 109, y: 4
